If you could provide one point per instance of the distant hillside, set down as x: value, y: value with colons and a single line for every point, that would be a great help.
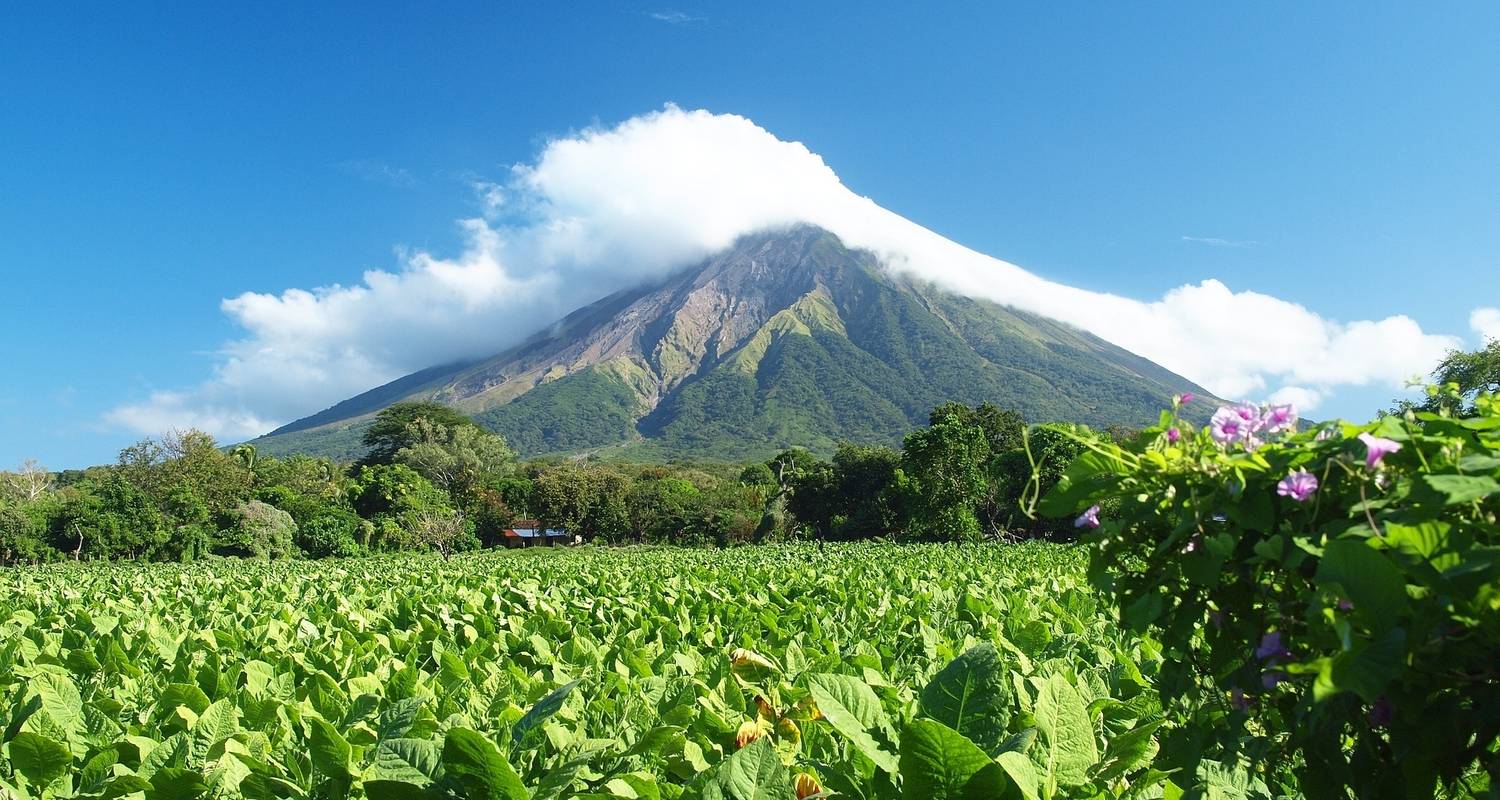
x: 787, y: 338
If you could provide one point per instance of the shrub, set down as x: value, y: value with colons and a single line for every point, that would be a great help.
x: 332, y: 534
x: 1328, y: 601
x: 257, y: 530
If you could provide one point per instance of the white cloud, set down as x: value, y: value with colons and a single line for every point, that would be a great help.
x: 1303, y: 398
x: 605, y: 208
x: 376, y: 171
x: 1486, y: 323
x: 1214, y: 241
x: 675, y: 17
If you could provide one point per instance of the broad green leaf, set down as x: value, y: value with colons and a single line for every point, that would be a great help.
x: 415, y: 761
x: 1366, y: 670
x: 542, y: 711
x: 1021, y: 771
x: 972, y: 696
x: 853, y: 710
x: 1370, y: 580
x: 60, y: 699
x: 755, y: 772
x: 329, y: 750
x: 937, y: 762
x: 1128, y: 751
x: 475, y: 765
x: 175, y: 783
x: 217, y: 723
x: 40, y: 759
x: 1068, y: 750
x: 1458, y: 489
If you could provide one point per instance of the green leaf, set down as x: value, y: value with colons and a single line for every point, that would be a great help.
x: 217, y: 723
x: 1021, y: 771
x: 399, y: 790
x: 853, y: 710
x: 175, y: 783
x: 417, y: 761
x: 1366, y: 670
x: 542, y: 711
x: 329, y: 750
x: 1129, y: 750
x: 1368, y: 578
x: 755, y: 772
x: 1067, y: 733
x: 474, y: 763
x: 1090, y: 474
x: 60, y: 699
x: 972, y: 695
x: 1460, y: 489
x: 937, y: 762
x: 40, y: 759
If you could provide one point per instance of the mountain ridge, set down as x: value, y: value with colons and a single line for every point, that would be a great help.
x: 787, y: 337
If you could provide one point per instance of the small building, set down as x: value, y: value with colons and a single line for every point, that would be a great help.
x: 530, y: 533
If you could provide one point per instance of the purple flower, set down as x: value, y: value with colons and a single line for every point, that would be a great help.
x: 1187, y: 397
x: 1226, y: 426
x: 1250, y: 414
x: 1377, y: 448
x: 1381, y: 712
x: 1088, y: 519
x: 1271, y: 678
x: 1280, y: 418
x: 1298, y: 485
x: 1173, y: 435
x: 1271, y: 648
x: 1345, y: 605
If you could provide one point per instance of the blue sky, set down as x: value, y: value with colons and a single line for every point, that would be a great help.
x: 155, y: 161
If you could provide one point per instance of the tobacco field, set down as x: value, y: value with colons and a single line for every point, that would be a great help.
x: 864, y: 670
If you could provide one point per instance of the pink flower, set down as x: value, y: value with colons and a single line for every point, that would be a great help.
x: 1173, y: 435
x: 1377, y: 448
x: 1088, y: 519
x: 1280, y: 418
x: 1298, y: 485
x: 1187, y: 397
x: 1226, y: 426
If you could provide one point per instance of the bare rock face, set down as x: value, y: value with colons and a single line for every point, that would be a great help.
x: 785, y: 338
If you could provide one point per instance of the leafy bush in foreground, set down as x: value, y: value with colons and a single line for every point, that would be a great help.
x: 1328, y: 601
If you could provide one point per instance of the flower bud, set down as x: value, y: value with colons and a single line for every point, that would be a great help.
x: 748, y: 732
x: 806, y: 785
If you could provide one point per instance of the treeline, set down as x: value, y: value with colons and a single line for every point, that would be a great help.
x: 435, y: 480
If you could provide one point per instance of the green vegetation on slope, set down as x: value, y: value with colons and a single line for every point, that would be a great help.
x: 582, y: 411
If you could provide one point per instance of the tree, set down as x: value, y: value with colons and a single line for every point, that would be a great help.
x: 864, y: 477
x: 392, y: 428
x: 443, y: 531
x: 186, y: 460
x: 1459, y: 378
x: 455, y: 458
x: 30, y: 481
x: 945, y: 477
x: 19, y: 541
